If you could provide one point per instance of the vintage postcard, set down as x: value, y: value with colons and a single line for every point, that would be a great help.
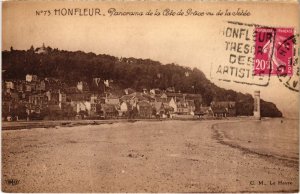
x: 150, y: 96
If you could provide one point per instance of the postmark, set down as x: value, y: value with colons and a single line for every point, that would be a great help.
x: 290, y: 81
x: 255, y: 53
x: 239, y: 44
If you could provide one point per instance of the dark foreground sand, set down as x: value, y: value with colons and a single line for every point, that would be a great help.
x: 162, y: 156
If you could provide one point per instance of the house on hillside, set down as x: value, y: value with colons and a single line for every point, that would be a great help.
x: 109, y: 110
x: 93, y: 109
x: 173, y: 104
x: 33, y: 109
x: 80, y: 101
x: 31, y: 78
x: 160, y: 97
x: 159, y: 109
x: 179, y: 103
x: 144, y: 109
x: 124, y: 109
x: 82, y: 86
x: 94, y: 99
x: 41, y: 50
x: 94, y: 104
x: 155, y: 91
x: 191, y: 107
x: 53, y: 107
x: 112, y: 99
x: 182, y: 107
x: 81, y: 107
x: 9, y: 86
x: 204, y: 111
x: 168, y: 109
x: 57, y: 97
x: 135, y: 97
x: 224, y: 108
x: 185, y: 106
x: 219, y: 111
x: 73, y: 94
x: 124, y: 106
x: 38, y: 99
x: 163, y: 97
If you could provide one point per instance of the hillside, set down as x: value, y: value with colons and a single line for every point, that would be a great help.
x: 72, y: 67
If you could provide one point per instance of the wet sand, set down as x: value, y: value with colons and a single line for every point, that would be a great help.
x: 160, y: 156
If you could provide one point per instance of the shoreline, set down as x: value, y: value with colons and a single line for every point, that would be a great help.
x: 19, y: 125
x: 51, y: 124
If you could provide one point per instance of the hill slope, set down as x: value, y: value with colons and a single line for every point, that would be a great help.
x: 72, y: 67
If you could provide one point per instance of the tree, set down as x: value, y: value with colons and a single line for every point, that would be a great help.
x: 31, y: 50
x: 71, y: 67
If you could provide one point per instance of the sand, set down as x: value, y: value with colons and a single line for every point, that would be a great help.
x: 160, y: 156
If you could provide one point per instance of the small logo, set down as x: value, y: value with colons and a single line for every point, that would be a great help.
x: 12, y: 182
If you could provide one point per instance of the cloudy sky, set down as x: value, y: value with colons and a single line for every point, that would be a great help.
x: 194, y: 41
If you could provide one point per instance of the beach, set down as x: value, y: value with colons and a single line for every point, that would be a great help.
x: 154, y: 156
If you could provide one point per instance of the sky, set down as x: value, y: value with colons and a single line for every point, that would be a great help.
x: 193, y: 41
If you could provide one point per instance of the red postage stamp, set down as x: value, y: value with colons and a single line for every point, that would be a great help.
x: 274, y: 51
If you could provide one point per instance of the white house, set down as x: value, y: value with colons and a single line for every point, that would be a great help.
x: 81, y: 106
x: 124, y: 107
x: 173, y: 104
x: 30, y: 78
x: 80, y: 86
x: 9, y: 85
x: 93, y: 98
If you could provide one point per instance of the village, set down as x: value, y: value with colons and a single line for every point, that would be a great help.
x: 37, y: 98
